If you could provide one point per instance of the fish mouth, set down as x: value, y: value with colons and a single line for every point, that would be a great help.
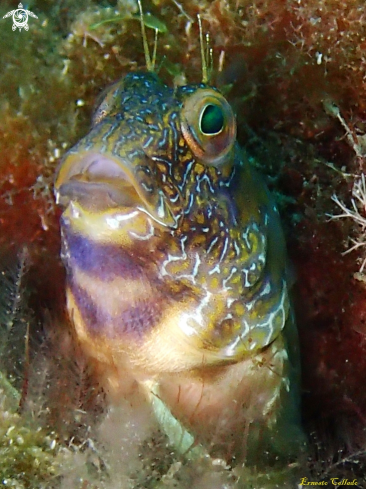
x: 96, y: 182
x: 99, y: 183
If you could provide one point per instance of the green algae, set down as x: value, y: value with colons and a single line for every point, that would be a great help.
x: 149, y: 20
x: 28, y: 453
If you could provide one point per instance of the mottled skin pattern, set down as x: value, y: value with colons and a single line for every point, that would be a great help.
x: 176, y: 267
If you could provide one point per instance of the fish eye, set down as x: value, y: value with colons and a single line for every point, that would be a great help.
x: 212, y: 120
x: 208, y: 125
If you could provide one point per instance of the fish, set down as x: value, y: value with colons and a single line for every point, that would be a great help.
x: 177, y: 273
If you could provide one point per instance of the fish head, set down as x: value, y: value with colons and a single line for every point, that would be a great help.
x: 161, y: 181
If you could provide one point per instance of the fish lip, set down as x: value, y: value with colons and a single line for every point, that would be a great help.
x: 92, y: 174
x: 100, y: 182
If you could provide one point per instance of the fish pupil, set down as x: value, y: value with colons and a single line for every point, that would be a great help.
x: 212, y: 120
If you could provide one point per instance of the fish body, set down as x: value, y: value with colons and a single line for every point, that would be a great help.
x: 176, y: 268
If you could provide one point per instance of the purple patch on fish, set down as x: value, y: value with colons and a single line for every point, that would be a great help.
x: 133, y: 319
x: 103, y: 261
